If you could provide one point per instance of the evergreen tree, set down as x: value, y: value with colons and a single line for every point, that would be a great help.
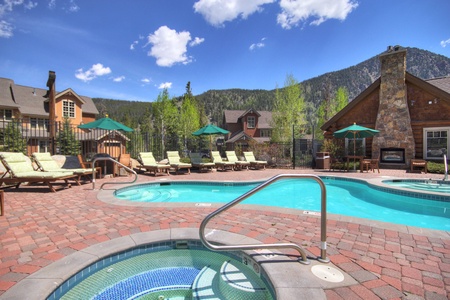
x: 13, y: 140
x: 67, y: 141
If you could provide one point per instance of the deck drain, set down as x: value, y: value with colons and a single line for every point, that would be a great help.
x: 327, y: 273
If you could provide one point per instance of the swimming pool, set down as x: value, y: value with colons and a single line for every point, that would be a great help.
x: 169, y: 270
x: 345, y: 196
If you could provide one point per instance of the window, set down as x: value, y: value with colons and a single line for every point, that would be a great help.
x: 43, y: 146
x: 251, y: 121
x: 36, y: 123
x: 6, y: 114
x: 435, y: 142
x: 355, y: 147
x: 68, y: 109
x: 265, y: 133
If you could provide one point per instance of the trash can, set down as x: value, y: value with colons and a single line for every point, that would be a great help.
x: 322, y: 160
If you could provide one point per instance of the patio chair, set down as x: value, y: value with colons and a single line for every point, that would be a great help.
x: 239, y: 164
x: 255, y: 164
x: 148, y: 163
x: 88, y: 165
x: 419, y: 163
x: 220, y: 163
x: 174, y: 162
x: 371, y: 164
x: 197, y: 162
x: 46, y: 163
x: 19, y: 170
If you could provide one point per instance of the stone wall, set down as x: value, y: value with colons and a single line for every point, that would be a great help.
x: 393, y: 119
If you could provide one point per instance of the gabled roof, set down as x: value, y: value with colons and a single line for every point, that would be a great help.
x: 264, y: 117
x: 31, y: 101
x: 436, y: 86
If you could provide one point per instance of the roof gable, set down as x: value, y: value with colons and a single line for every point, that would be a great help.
x: 436, y: 86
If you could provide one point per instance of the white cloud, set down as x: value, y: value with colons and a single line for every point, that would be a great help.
x: 217, y: 12
x: 8, y: 5
x: 70, y: 6
x: 196, y: 41
x: 133, y: 44
x: 165, y: 85
x: 73, y: 7
x: 445, y: 43
x: 95, y: 71
x: 119, y: 79
x: 6, y: 29
x: 296, y: 11
x: 169, y: 47
x: 146, y: 80
x: 260, y: 44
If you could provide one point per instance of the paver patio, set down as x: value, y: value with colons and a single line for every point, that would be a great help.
x: 388, y: 261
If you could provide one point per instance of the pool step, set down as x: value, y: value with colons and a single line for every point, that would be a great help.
x: 204, y: 286
x: 232, y: 283
x: 240, y: 284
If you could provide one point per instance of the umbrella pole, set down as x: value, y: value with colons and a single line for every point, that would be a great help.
x: 354, y: 151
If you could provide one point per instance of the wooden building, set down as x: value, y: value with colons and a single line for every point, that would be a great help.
x: 412, y: 115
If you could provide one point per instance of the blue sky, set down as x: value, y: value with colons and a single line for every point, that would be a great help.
x: 131, y: 50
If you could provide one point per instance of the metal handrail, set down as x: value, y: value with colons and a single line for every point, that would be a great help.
x: 446, y: 168
x: 116, y: 162
x: 304, y: 259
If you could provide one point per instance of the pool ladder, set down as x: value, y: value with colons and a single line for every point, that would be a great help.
x: 117, y: 163
x: 304, y: 259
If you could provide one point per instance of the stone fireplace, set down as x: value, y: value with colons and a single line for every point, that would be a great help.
x: 393, y: 120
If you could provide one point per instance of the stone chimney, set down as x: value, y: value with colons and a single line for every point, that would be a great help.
x: 393, y: 119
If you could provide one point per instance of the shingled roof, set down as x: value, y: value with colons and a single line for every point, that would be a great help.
x: 264, y: 119
x: 31, y: 101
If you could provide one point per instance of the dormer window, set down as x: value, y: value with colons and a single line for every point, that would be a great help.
x: 251, y: 122
x: 68, y: 109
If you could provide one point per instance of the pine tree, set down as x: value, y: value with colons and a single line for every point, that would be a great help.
x: 67, y: 141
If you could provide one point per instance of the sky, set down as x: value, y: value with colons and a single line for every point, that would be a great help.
x: 133, y: 50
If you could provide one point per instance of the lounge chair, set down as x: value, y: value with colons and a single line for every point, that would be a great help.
x: 174, y: 162
x: 239, y: 164
x: 88, y: 165
x: 220, y: 163
x: 197, y: 162
x: 46, y: 163
x: 20, y: 170
x: 255, y: 164
x: 148, y: 163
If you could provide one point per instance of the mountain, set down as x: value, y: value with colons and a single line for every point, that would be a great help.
x: 420, y: 63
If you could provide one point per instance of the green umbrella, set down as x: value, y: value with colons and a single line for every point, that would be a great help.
x: 355, y: 131
x: 210, y: 130
x: 106, y: 124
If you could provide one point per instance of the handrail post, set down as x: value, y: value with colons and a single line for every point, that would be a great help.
x: 304, y: 259
x: 117, y: 163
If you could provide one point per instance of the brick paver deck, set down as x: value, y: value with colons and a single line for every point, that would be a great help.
x: 40, y: 227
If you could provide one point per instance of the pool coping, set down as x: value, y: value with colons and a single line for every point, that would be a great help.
x: 288, y: 277
x: 107, y: 196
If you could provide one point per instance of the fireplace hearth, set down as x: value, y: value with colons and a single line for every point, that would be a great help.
x: 392, y: 155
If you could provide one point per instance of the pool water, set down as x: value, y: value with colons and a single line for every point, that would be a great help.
x: 344, y: 197
x: 164, y: 272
